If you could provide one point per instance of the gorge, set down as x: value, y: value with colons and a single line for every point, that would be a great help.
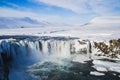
x: 44, y: 55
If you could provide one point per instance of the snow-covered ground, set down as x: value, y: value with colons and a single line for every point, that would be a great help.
x: 97, y: 29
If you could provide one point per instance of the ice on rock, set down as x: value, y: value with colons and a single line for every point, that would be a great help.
x: 101, y: 68
x: 97, y: 73
x: 115, y: 68
x: 80, y: 58
x: 106, y: 66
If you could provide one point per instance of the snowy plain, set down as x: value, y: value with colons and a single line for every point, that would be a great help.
x: 97, y: 29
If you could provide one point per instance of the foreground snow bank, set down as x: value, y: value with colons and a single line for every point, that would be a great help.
x: 104, y: 66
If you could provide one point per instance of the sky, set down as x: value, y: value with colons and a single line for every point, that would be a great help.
x: 60, y: 11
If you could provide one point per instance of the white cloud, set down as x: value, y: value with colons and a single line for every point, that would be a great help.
x: 105, y: 7
x: 86, y: 6
x: 78, y: 6
x: 9, y: 12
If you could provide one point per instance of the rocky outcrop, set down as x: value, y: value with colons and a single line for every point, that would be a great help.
x: 112, y: 49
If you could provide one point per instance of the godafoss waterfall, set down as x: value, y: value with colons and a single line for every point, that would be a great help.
x: 58, y: 58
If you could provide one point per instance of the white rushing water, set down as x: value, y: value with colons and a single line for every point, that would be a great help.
x: 36, y: 49
x: 21, y: 53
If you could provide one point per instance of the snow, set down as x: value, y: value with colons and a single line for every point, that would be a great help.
x: 106, y: 19
x: 106, y: 66
x: 92, y: 31
x: 80, y: 58
x: 97, y: 73
x: 99, y: 68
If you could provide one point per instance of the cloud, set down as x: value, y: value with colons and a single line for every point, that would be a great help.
x: 101, y: 7
x: 106, y: 7
x: 78, y: 6
x: 91, y: 9
x: 10, y: 4
x: 9, y: 12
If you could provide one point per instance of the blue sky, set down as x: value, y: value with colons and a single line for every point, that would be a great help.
x: 60, y: 11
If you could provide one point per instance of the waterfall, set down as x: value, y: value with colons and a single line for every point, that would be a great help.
x: 58, y: 48
x: 19, y: 50
x: 89, y: 49
x: 24, y: 52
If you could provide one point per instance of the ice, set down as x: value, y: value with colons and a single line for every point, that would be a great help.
x: 115, y: 68
x: 101, y: 68
x: 80, y: 58
x: 97, y: 73
x: 106, y: 66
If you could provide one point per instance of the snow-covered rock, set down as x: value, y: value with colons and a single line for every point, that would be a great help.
x: 96, y: 73
x: 99, y: 68
x: 106, y: 66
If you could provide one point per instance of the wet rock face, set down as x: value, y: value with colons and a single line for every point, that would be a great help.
x: 81, y: 47
x: 5, y: 59
x: 81, y: 42
x: 112, y: 49
x: 84, y: 49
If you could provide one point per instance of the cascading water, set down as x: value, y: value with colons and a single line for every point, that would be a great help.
x: 22, y: 48
x: 20, y: 52
x: 55, y: 47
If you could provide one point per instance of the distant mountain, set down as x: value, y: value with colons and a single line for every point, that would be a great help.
x: 26, y: 22
x: 103, y: 23
x: 106, y: 20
